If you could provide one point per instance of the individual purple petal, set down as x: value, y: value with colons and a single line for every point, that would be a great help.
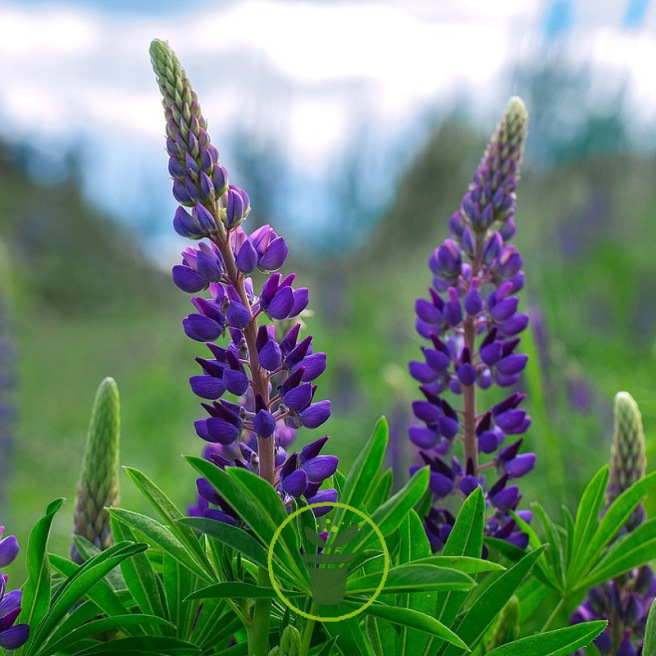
x: 187, y: 279
x: 422, y: 372
x: 301, y: 300
x: 466, y: 373
x: 440, y: 485
x: 298, y: 398
x: 512, y: 364
x: 313, y: 449
x: 217, y: 430
x: 296, y: 483
x: 236, y: 382
x: 515, y: 324
x: 275, y: 255
x: 320, y: 468
x: 426, y: 411
x: 270, y: 355
x: 201, y: 328
x: 468, y: 484
x: 315, y: 415
x: 281, y: 304
x: 314, y: 365
x: 14, y: 637
x: 264, y: 424
x: 238, y: 206
x: 207, y: 491
x: 328, y: 497
x: 520, y: 465
x: 506, y: 498
x: 8, y: 550
x: 504, y: 309
x: 220, y: 516
x: 209, y: 266
x: 246, y: 259
x: 436, y: 360
x: 509, y: 420
x: 448, y: 426
x: 488, y: 442
x: 423, y: 437
x: 207, y: 387
x: 427, y: 311
x: 491, y: 353
x: 238, y: 315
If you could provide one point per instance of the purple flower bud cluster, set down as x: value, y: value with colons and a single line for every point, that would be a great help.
x: 257, y: 388
x: 625, y: 603
x: 471, y: 322
x: 12, y: 636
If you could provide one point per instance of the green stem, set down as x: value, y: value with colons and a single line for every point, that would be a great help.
x: 554, y: 614
x: 307, y: 631
x: 258, y: 633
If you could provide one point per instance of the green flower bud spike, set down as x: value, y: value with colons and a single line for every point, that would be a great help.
x: 99, y: 485
x: 628, y: 460
x: 507, y: 628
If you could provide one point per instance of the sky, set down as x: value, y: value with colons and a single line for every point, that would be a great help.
x: 308, y: 80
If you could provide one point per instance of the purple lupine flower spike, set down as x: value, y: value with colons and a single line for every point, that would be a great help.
x: 269, y: 373
x: 471, y: 320
x: 12, y: 636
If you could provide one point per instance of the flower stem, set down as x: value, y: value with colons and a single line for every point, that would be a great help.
x: 258, y: 633
x: 554, y: 614
x: 307, y: 631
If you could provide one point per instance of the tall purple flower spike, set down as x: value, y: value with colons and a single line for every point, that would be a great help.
x: 470, y: 321
x: 265, y: 365
x: 12, y: 636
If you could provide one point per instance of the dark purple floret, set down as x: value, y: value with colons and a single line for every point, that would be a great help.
x: 471, y: 319
x: 12, y: 636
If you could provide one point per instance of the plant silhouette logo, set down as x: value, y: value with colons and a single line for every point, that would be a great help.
x: 329, y: 583
x: 328, y: 568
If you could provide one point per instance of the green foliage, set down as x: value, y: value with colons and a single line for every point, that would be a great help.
x: 586, y: 551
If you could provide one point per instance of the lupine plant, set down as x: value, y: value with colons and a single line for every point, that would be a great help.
x: 471, y: 323
x: 444, y: 566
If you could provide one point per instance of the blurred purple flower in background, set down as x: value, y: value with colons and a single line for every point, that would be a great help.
x: 471, y: 322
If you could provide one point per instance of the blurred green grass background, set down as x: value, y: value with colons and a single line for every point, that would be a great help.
x: 85, y: 304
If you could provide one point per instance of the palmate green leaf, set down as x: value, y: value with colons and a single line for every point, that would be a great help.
x: 379, y: 492
x: 389, y: 516
x: 411, y: 619
x: 542, y: 570
x: 239, y: 590
x: 554, y: 554
x: 585, y: 524
x: 364, y: 470
x: 325, y: 649
x: 178, y: 583
x: 140, y: 577
x: 36, y: 593
x: 251, y: 502
x: 236, y: 538
x: 465, y: 539
x: 411, y: 578
x: 88, y: 550
x: 350, y: 638
x: 617, y: 514
x: 560, y: 642
x: 102, y: 594
x: 478, y: 619
x: 162, y: 536
x: 169, y: 512
x: 414, y: 549
x: 76, y: 586
x: 632, y: 550
x: 649, y: 644
x: 143, y: 646
x: 96, y: 627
